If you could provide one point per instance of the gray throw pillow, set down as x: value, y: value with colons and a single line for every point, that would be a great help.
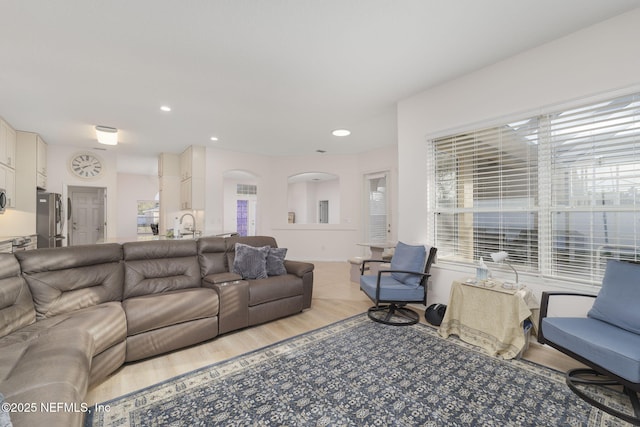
x: 251, y: 262
x: 275, y: 262
x: 5, y: 421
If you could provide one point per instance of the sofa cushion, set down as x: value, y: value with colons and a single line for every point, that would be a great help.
x: 63, y: 280
x: 598, y: 341
x: 57, y: 356
x: 212, y: 255
x: 617, y: 301
x: 16, y: 303
x: 251, y: 262
x: 149, y: 312
x: 390, y: 289
x: 106, y: 323
x: 274, y: 288
x: 275, y: 261
x: 54, y: 368
x: 160, y: 266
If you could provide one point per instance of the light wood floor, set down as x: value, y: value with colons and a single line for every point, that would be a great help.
x: 334, y: 298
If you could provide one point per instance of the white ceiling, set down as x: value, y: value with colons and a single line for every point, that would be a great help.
x: 272, y: 77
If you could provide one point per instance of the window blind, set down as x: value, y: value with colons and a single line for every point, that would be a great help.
x: 486, y: 194
x: 559, y: 192
x: 595, y: 186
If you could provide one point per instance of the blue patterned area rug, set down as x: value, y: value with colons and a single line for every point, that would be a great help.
x: 359, y: 373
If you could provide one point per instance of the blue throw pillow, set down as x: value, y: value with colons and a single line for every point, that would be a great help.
x: 251, y: 262
x: 617, y: 302
x: 408, y: 258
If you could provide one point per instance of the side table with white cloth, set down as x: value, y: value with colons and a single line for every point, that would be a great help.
x: 490, y: 316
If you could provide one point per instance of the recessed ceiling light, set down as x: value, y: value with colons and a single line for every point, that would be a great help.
x: 165, y: 108
x: 321, y: 151
x: 214, y: 138
x: 341, y: 132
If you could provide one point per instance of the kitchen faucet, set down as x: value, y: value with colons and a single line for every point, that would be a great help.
x: 193, y: 221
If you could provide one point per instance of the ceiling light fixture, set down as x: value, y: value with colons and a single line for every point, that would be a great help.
x: 214, y: 138
x: 165, y: 108
x: 107, y: 135
x: 341, y: 132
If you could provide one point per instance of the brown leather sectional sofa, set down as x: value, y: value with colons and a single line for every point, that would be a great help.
x: 69, y: 317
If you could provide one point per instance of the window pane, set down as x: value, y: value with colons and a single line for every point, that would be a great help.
x: 377, y: 221
x: 486, y: 186
x: 584, y: 241
x: 148, y: 216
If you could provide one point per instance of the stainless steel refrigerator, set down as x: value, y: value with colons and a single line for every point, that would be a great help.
x: 50, y: 220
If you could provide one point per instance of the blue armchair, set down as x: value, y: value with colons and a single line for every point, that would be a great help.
x: 404, y: 282
x: 607, y: 340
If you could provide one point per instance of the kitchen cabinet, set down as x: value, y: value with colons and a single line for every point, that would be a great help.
x: 168, y: 165
x: 169, y: 189
x: 7, y: 144
x: 186, y: 163
x: 31, y: 169
x: 41, y: 162
x: 192, y: 175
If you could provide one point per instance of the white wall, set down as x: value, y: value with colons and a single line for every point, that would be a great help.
x: 131, y: 189
x: 599, y: 60
x: 59, y: 178
x: 335, y: 242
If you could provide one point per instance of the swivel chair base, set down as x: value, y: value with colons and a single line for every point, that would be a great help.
x: 585, y: 376
x: 393, y: 314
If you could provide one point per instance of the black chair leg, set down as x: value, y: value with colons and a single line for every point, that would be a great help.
x: 583, y: 376
x: 393, y: 314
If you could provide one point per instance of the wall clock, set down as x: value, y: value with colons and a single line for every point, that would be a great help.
x: 86, y: 165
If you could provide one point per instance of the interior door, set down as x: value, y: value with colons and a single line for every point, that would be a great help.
x: 87, y: 215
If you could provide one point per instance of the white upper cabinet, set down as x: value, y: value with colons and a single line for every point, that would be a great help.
x: 7, y: 144
x: 41, y: 156
x: 31, y: 169
x: 192, y: 171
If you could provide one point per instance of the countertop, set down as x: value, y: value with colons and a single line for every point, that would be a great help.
x: 144, y: 238
x: 6, y: 239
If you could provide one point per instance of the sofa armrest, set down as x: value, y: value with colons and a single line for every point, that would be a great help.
x: 544, y: 306
x: 298, y: 268
x: 216, y: 278
x: 234, y: 305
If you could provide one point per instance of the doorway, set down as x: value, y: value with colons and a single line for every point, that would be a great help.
x: 86, y: 215
x: 377, y: 215
x: 240, y: 203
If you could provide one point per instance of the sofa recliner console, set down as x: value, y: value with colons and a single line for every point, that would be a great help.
x: 71, y: 316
